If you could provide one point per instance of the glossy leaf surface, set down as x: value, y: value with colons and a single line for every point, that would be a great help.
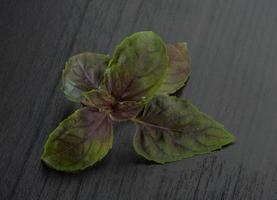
x: 170, y: 129
x: 79, y: 141
x: 82, y: 73
x: 138, y: 67
x: 179, y: 68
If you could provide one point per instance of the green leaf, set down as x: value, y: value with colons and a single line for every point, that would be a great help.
x: 138, y: 67
x: 81, y: 140
x: 179, y: 68
x: 82, y: 73
x: 117, y: 110
x: 170, y: 129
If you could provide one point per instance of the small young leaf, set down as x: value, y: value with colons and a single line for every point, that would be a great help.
x: 138, y: 67
x: 81, y: 140
x: 170, y: 129
x: 98, y: 98
x: 179, y: 68
x: 125, y: 110
x: 118, y: 111
x: 82, y: 73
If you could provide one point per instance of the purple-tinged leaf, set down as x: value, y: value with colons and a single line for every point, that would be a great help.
x: 83, y: 72
x: 179, y: 68
x: 137, y: 68
x: 170, y: 129
x: 79, y: 141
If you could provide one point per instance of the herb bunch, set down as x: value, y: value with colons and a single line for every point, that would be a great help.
x: 134, y: 85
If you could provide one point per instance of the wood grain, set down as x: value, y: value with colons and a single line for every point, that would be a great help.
x: 233, y: 45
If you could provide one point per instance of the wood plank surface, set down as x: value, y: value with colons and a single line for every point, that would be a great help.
x: 233, y: 45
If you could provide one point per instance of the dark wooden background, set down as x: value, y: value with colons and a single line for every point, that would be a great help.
x: 233, y: 45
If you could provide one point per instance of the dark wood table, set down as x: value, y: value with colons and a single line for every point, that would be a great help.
x: 233, y: 45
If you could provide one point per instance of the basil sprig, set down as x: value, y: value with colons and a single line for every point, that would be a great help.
x: 133, y: 85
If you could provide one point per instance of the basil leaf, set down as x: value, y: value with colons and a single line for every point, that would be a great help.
x: 179, y: 68
x: 81, y: 140
x: 170, y: 129
x: 137, y: 68
x: 118, y: 111
x: 83, y: 72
